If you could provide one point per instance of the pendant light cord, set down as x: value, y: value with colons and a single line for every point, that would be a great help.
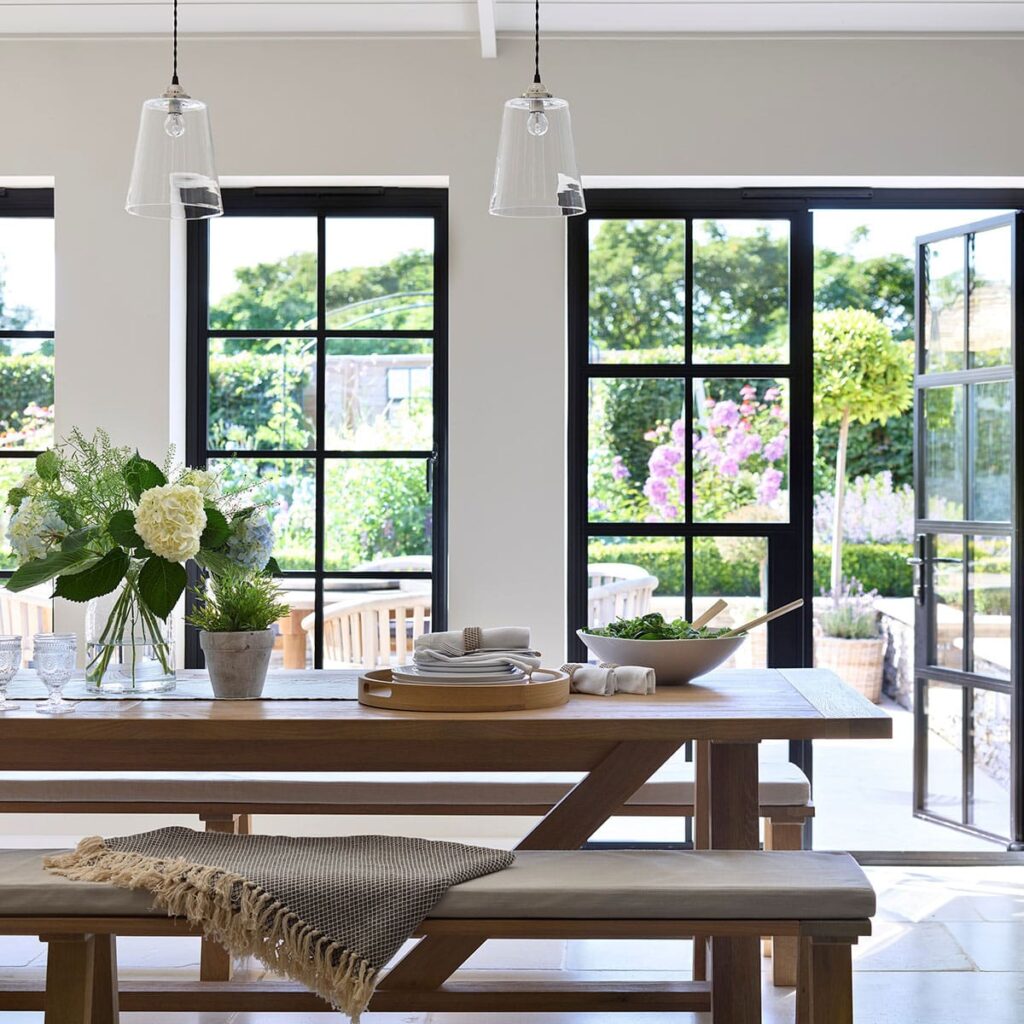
x: 536, y: 40
x: 174, y: 70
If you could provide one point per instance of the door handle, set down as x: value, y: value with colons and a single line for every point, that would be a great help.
x: 927, y: 561
x: 922, y: 573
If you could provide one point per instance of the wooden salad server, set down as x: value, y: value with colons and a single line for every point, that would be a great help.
x: 761, y: 619
x: 716, y: 609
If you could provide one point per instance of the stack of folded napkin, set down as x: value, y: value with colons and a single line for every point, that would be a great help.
x: 476, y: 651
x: 606, y: 678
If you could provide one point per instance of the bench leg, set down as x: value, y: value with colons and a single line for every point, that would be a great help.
x: 803, y: 982
x: 69, y: 979
x: 831, y: 983
x: 701, y: 839
x: 104, y: 980
x: 214, y: 959
x: 783, y: 835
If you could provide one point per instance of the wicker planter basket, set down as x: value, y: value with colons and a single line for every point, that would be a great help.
x: 858, y: 663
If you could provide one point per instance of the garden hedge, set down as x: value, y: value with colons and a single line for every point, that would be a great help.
x: 880, y: 567
x: 24, y: 381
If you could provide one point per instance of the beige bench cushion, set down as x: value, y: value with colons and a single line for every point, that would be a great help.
x: 574, y: 884
x: 782, y: 785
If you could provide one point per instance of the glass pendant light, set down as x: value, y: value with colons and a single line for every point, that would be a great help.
x: 173, y: 176
x: 536, y: 172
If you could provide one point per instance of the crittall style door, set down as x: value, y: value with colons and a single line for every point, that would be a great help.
x: 968, y: 586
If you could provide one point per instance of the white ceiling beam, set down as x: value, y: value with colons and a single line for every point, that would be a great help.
x: 488, y: 34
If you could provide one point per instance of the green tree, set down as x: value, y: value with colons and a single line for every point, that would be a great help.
x: 862, y: 373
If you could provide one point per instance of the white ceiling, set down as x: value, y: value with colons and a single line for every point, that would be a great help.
x: 487, y: 17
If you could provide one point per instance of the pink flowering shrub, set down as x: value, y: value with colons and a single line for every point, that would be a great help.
x: 740, y: 451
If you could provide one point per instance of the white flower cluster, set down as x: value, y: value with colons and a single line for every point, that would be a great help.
x: 35, y: 527
x: 251, y: 543
x: 170, y: 520
x: 207, y: 482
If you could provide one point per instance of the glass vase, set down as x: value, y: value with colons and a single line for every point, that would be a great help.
x: 127, y: 648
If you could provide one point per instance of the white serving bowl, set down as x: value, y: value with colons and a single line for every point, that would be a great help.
x: 673, y: 661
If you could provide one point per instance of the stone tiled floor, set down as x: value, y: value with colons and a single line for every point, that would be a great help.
x: 947, y: 948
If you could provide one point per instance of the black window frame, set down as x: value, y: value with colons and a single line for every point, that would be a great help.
x: 35, y: 203
x: 325, y: 203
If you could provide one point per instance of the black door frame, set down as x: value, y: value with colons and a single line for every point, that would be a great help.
x: 755, y: 202
x: 323, y: 203
x: 926, y: 530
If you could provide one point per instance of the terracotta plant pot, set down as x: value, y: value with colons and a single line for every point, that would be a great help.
x: 858, y: 663
x: 237, y: 662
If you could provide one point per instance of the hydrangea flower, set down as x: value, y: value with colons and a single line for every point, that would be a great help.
x: 170, y: 520
x: 251, y: 543
x: 208, y: 483
x: 35, y: 527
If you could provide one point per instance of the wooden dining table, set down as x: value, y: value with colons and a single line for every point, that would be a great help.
x: 618, y: 741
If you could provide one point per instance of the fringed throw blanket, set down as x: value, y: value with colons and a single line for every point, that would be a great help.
x: 326, y: 912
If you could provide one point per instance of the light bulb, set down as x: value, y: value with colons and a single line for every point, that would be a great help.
x: 537, y: 123
x: 174, y: 125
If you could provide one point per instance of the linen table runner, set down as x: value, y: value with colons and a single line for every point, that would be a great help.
x: 326, y: 912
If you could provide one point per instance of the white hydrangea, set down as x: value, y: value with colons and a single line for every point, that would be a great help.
x: 170, y: 520
x: 207, y: 482
x: 35, y: 527
x: 32, y: 483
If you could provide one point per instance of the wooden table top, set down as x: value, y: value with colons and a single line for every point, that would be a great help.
x: 737, y: 705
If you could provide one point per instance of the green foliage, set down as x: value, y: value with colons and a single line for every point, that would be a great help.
x: 633, y: 406
x: 396, y: 295
x: 39, y: 570
x: 882, y: 567
x: 872, y: 448
x: 140, y: 475
x: 121, y: 527
x: 25, y: 381
x: 217, y: 528
x: 98, y: 579
x: 653, y: 626
x: 161, y: 584
x: 238, y: 603
x: 851, y: 614
x: 860, y: 371
x: 48, y: 466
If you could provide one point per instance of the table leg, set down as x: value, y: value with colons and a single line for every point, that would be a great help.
x: 701, y: 838
x: 735, y: 962
x: 569, y: 824
x: 293, y: 638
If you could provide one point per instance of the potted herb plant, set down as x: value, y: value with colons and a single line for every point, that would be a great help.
x: 848, y: 641
x: 234, y: 619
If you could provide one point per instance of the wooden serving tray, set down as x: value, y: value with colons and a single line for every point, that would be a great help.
x: 378, y: 690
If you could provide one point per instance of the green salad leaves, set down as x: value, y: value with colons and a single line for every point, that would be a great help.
x: 654, y: 627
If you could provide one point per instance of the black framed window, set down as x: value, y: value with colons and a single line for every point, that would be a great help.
x: 690, y: 412
x: 26, y: 356
x: 318, y: 366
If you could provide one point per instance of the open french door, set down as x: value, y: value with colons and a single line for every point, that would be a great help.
x: 968, y: 707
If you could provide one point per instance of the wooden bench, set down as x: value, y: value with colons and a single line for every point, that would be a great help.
x: 226, y: 801
x: 822, y: 900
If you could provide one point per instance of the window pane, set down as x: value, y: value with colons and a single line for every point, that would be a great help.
x: 989, y: 580
x: 288, y: 488
x: 262, y: 273
x: 948, y: 583
x: 991, y: 450
x: 734, y: 568
x: 636, y: 434
x: 380, y: 273
x: 631, y: 576
x: 262, y: 393
x: 26, y: 274
x: 741, y: 450
x: 11, y: 473
x: 944, y: 297
x: 944, y: 453
x: 26, y: 393
x: 990, y: 315
x: 637, y: 291
x: 375, y: 509
x: 379, y: 393
x: 741, y: 291
x: 990, y: 714
x: 944, y: 710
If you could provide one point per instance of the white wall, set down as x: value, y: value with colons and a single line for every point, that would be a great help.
x: 405, y: 107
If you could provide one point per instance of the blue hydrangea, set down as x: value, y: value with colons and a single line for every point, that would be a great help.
x: 251, y: 543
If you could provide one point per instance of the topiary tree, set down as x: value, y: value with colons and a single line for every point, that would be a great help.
x: 861, y: 373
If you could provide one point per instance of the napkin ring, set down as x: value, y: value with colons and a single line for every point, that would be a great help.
x: 472, y: 638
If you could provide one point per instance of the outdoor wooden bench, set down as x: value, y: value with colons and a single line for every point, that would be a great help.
x: 823, y: 900
x: 226, y: 801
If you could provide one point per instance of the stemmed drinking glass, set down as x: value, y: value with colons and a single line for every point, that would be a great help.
x: 54, y: 655
x: 10, y: 662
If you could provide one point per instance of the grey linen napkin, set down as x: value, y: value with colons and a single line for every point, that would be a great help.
x: 326, y: 912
